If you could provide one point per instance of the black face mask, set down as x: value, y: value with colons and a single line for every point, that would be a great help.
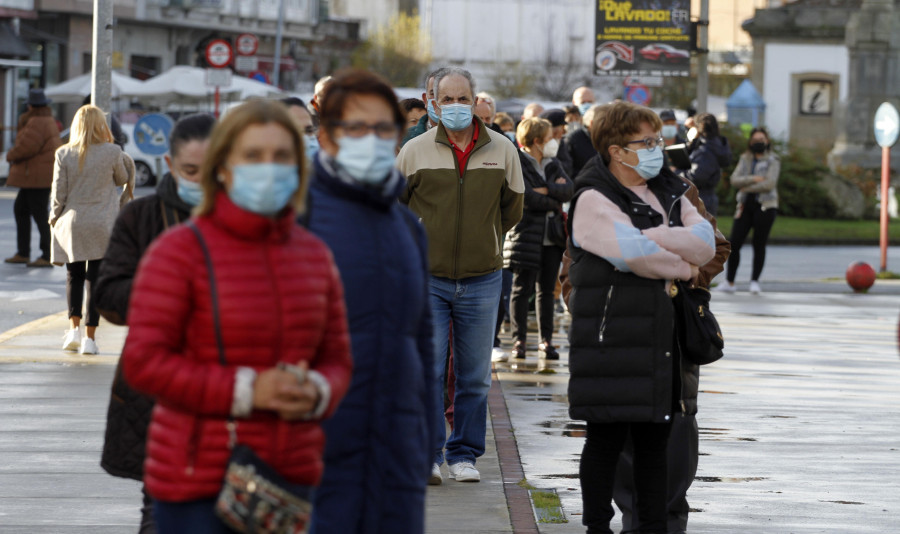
x: 758, y: 148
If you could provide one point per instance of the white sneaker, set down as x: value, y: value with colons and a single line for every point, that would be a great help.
x: 435, y: 479
x: 725, y: 287
x: 88, y: 346
x: 499, y: 355
x: 72, y: 339
x: 754, y: 288
x: 464, y: 472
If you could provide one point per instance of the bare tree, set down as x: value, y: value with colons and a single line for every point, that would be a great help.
x: 399, y: 51
x: 557, y: 77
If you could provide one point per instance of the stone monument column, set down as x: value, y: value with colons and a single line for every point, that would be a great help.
x: 874, y: 49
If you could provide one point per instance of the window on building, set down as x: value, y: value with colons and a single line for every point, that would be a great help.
x: 143, y: 67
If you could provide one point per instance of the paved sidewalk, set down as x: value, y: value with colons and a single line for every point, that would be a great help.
x: 52, y: 419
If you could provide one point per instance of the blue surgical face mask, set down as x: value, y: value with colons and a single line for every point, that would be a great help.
x: 456, y: 117
x: 190, y: 192
x: 583, y: 107
x: 650, y: 162
x: 669, y: 130
x: 263, y: 188
x: 368, y: 159
x: 511, y: 135
x: 312, y: 146
x: 432, y: 114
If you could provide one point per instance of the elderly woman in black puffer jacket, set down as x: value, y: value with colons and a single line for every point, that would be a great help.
x: 530, y: 250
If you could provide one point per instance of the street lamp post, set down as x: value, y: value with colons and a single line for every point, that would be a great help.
x: 101, y: 60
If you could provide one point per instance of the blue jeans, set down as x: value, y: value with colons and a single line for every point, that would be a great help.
x: 192, y: 517
x: 471, y: 305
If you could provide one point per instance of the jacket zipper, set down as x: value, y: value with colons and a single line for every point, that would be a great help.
x: 609, y: 295
x: 279, y: 325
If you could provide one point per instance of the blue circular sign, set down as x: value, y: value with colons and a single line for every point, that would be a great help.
x: 637, y: 94
x: 151, y: 134
x: 887, y: 125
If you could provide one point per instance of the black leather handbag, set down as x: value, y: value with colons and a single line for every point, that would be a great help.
x: 556, y: 229
x: 699, y: 333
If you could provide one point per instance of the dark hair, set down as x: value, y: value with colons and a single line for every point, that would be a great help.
x: 758, y: 129
x: 293, y: 101
x: 707, y: 125
x: 349, y: 82
x: 409, y: 104
x: 191, y: 128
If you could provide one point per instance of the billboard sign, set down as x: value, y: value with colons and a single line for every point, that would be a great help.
x: 643, y: 38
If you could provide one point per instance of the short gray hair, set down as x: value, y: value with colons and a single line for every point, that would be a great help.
x: 453, y: 71
x: 430, y: 75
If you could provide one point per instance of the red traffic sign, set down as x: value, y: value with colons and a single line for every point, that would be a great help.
x: 219, y: 53
x: 246, y: 44
x: 638, y: 94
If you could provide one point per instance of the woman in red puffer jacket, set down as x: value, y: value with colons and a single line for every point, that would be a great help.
x: 280, y: 300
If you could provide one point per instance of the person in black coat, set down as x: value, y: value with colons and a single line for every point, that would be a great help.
x: 576, y: 146
x: 632, y: 233
x: 138, y: 224
x: 709, y: 153
x: 529, y: 251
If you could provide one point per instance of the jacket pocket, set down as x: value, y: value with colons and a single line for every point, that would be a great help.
x: 604, y: 318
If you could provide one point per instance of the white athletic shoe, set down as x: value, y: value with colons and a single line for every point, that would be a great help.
x: 464, y: 472
x: 725, y: 287
x: 72, y: 340
x: 435, y: 479
x: 499, y: 355
x: 89, y: 346
x: 754, y: 288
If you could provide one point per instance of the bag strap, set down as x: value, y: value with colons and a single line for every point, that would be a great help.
x: 214, y: 294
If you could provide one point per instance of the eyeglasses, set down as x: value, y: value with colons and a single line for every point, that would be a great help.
x: 384, y: 130
x: 649, y: 142
x: 310, y: 130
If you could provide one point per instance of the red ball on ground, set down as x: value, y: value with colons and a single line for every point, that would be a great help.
x: 860, y: 276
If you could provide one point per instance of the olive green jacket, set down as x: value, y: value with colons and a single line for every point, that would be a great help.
x: 465, y: 216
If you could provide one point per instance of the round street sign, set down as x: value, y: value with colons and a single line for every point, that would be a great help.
x: 246, y: 44
x: 637, y: 94
x: 218, y: 53
x: 151, y: 133
x: 887, y: 125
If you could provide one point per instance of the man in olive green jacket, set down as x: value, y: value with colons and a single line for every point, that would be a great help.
x: 464, y: 181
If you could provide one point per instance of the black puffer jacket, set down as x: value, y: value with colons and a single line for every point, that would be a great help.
x: 579, y: 149
x: 523, y: 245
x: 708, y: 156
x: 624, y: 363
x: 138, y: 224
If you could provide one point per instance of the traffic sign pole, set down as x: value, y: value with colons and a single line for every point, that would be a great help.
x: 216, y: 110
x: 885, y: 180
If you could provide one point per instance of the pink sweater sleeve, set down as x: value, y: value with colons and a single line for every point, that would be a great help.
x: 601, y: 228
x: 695, y: 242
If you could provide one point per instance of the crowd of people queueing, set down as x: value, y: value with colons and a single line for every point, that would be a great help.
x: 306, y: 278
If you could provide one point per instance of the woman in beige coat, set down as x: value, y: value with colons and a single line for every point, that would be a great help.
x: 85, y: 201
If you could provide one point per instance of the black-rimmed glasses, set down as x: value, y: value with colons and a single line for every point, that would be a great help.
x: 649, y: 142
x: 384, y: 130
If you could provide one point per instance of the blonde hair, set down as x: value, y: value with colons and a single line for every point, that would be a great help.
x: 531, y: 130
x: 221, y: 142
x: 89, y: 127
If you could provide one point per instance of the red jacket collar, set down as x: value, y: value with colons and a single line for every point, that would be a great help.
x: 248, y: 225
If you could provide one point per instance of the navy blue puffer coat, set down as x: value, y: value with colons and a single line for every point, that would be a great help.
x: 379, y: 443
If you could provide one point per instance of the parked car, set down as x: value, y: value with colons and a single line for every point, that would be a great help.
x: 664, y: 53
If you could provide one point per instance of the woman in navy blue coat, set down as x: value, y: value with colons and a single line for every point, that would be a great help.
x: 377, y: 454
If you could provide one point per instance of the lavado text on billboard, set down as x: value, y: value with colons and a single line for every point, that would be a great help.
x: 643, y: 38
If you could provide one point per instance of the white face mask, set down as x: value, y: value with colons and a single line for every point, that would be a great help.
x: 550, y: 148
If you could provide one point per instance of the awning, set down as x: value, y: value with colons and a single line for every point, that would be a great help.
x: 11, y: 45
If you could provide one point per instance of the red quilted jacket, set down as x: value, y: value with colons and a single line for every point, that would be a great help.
x: 280, y: 299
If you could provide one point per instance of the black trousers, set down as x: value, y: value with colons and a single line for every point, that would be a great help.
x: 524, y: 282
x: 598, y: 472
x: 80, y: 279
x: 752, y: 218
x: 682, y: 454
x: 32, y: 204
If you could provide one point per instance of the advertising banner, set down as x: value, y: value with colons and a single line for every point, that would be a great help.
x: 643, y: 38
